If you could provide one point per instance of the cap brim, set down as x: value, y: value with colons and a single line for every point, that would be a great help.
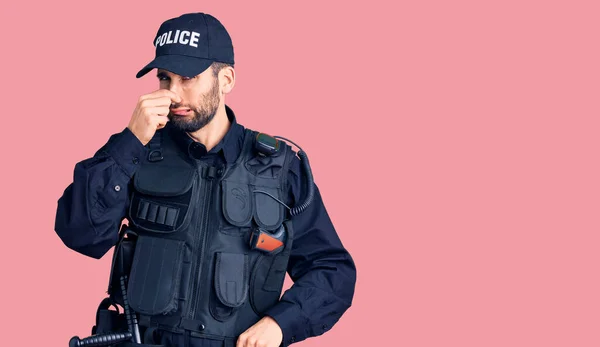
x: 178, y: 64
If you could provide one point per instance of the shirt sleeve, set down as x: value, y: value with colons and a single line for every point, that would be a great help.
x: 323, y: 272
x: 92, y: 207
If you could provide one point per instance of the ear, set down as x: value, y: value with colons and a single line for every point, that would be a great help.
x: 227, y: 79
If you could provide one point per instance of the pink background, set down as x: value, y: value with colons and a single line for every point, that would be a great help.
x: 455, y: 144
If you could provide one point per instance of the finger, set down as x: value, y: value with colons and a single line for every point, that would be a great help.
x: 160, y: 101
x: 241, y: 341
x: 158, y: 111
x: 165, y: 93
x: 162, y: 120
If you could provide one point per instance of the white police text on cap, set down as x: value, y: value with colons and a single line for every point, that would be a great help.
x: 186, y: 38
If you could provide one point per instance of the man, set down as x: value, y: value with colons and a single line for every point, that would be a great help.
x: 219, y: 211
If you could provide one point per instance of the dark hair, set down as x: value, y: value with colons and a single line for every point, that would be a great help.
x: 216, y: 66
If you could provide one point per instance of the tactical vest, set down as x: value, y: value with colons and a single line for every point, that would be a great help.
x: 193, y: 268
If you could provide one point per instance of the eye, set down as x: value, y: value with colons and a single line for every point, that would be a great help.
x: 162, y: 78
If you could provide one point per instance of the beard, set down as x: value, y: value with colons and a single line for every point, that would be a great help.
x: 203, y: 114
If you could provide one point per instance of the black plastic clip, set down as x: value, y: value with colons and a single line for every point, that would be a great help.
x: 155, y: 155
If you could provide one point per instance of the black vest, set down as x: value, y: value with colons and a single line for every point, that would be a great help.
x: 193, y: 267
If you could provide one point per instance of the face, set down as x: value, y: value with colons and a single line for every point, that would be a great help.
x: 200, y: 98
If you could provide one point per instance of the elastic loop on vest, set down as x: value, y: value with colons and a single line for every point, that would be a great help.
x: 154, y: 146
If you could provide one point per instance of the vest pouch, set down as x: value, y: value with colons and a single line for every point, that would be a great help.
x: 155, y: 278
x: 107, y: 320
x: 161, y: 199
x: 237, y: 203
x: 268, y: 212
x: 230, y: 284
x: 244, y: 204
x: 268, y: 276
x: 121, y: 265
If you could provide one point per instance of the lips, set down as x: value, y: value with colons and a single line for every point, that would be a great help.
x: 181, y: 111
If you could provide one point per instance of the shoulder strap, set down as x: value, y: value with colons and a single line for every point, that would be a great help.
x: 247, y: 147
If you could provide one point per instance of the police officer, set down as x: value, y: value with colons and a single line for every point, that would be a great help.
x: 220, y: 211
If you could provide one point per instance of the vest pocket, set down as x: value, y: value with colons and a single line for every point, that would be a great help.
x: 245, y: 205
x: 161, y: 202
x: 121, y: 265
x: 268, y: 275
x: 230, y: 284
x: 267, y: 280
x: 268, y: 213
x: 155, y: 275
x: 237, y: 203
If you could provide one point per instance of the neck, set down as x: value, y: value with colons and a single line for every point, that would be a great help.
x: 214, y: 131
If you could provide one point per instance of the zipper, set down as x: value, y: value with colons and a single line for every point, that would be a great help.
x: 202, y: 232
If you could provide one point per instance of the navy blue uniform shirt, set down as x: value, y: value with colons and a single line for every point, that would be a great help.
x: 93, y: 207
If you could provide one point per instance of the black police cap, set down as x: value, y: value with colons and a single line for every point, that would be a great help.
x: 187, y: 45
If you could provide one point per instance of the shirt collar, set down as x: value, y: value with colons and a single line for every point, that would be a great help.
x: 230, y: 145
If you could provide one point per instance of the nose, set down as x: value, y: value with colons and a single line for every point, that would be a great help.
x: 174, y: 87
x: 171, y: 85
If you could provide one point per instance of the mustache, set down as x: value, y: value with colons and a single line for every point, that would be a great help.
x: 173, y: 105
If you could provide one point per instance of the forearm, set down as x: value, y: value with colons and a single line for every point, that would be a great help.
x: 316, y: 301
x: 324, y: 276
x: 91, y: 209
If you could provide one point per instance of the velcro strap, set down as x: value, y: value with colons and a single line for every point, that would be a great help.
x: 209, y: 172
x: 176, y: 322
x: 191, y: 324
